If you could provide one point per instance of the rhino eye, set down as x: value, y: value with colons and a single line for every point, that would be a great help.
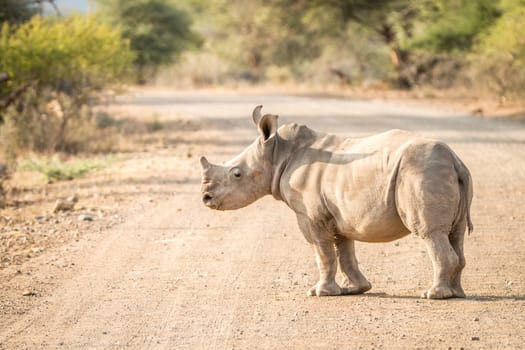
x: 236, y: 173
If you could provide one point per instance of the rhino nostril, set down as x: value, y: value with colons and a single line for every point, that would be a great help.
x: 207, y: 197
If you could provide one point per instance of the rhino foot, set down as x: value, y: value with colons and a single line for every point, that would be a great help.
x: 325, y: 289
x: 458, y: 292
x: 352, y: 289
x: 442, y: 292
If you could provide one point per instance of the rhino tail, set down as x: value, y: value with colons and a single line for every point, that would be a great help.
x: 466, y: 192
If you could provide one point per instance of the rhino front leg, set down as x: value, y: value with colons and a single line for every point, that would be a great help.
x: 327, y: 265
x: 354, y: 281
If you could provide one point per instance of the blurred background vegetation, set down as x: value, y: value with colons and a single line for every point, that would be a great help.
x: 401, y: 44
x: 55, y: 65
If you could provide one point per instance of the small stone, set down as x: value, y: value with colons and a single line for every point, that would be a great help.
x: 85, y: 217
x: 475, y: 338
x: 29, y: 293
x: 476, y: 319
x: 65, y: 204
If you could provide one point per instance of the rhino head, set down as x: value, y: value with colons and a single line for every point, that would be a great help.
x: 245, y: 178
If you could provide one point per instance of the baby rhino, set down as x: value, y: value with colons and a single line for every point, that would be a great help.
x: 373, y: 189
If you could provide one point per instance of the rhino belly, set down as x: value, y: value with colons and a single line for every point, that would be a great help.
x: 366, y: 216
x: 373, y: 229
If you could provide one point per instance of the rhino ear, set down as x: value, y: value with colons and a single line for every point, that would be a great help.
x: 256, y: 115
x: 267, y: 126
x: 204, y: 163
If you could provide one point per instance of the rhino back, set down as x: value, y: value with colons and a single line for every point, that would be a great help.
x: 349, y: 181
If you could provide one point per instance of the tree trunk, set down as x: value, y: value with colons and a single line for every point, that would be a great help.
x: 141, y: 74
x: 398, y: 57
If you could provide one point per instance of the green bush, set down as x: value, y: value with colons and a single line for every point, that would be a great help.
x: 498, y: 59
x: 59, y: 65
x: 154, y: 126
x: 70, y: 54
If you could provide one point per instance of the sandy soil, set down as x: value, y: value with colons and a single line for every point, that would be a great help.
x: 161, y: 271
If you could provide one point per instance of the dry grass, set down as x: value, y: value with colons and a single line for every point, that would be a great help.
x: 103, y: 183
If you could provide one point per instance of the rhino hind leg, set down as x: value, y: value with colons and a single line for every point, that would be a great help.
x: 446, y: 264
x: 456, y: 240
x: 354, y: 281
x: 427, y: 200
x: 327, y: 265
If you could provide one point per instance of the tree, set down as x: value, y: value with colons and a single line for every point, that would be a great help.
x: 259, y: 34
x: 390, y: 20
x: 410, y: 43
x: 16, y: 11
x: 419, y: 34
x: 19, y: 11
x: 158, y: 31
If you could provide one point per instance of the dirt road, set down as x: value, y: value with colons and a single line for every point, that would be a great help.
x: 175, y: 275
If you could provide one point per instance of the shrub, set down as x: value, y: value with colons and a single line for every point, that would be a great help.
x: 278, y: 74
x: 55, y: 169
x: 154, y: 126
x: 196, y: 69
x: 59, y: 65
x: 499, y: 54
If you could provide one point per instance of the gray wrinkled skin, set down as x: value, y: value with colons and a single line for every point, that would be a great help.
x: 373, y: 189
